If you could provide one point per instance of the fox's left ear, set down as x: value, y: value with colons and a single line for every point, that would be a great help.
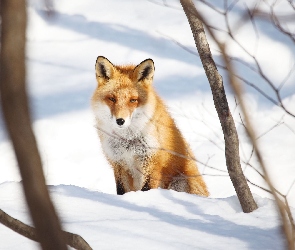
x: 145, y: 70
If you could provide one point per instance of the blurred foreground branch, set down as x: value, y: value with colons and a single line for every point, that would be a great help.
x: 14, y: 102
x: 73, y: 240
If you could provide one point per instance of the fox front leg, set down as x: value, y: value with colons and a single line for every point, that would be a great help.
x: 146, y: 185
x: 124, y: 181
x: 120, y: 188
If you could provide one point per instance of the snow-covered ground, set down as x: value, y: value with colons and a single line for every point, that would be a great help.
x: 61, y: 52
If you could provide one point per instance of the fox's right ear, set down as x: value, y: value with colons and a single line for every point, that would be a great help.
x: 103, y: 69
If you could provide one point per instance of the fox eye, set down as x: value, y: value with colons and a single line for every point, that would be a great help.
x: 112, y: 99
x: 133, y: 100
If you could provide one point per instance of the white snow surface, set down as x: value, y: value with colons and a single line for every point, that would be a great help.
x: 61, y: 53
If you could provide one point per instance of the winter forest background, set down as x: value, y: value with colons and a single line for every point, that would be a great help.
x: 61, y: 53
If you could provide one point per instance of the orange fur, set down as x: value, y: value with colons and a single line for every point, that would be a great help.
x: 148, y: 150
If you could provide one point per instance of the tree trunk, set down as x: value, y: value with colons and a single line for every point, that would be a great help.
x: 221, y: 105
x: 16, y: 113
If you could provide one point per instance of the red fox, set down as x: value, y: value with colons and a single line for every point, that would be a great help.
x: 139, y: 138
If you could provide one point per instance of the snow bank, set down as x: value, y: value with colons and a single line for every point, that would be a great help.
x: 61, y: 53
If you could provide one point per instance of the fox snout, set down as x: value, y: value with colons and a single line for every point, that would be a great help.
x: 120, y: 121
x: 121, y: 115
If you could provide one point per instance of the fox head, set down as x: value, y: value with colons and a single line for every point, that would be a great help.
x: 123, y: 95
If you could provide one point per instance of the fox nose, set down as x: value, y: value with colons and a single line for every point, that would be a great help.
x: 120, y: 121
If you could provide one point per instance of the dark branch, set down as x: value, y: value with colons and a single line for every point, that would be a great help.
x: 73, y: 240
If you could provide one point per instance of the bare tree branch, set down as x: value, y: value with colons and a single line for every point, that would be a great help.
x: 249, y: 15
x: 73, y: 240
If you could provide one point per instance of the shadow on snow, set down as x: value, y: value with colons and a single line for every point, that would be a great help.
x: 213, y: 224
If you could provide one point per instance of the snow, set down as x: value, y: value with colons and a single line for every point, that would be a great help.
x: 61, y: 52
x: 157, y: 219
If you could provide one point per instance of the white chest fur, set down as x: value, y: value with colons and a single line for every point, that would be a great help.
x: 129, y: 147
x: 131, y: 154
